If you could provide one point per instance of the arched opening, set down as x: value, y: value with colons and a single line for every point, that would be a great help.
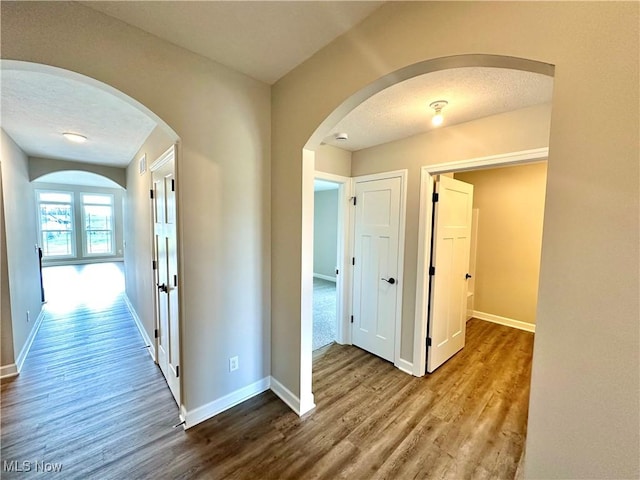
x: 324, y: 132
x: 85, y: 206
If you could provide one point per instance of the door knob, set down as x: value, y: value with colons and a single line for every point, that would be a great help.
x: 467, y: 276
x: 390, y: 280
x: 163, y: 288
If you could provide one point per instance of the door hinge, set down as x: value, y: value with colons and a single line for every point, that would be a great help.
x: 353, y: 260
x: 428, y: 342
x: 155, y: 333
x: 154, y: 264
x: 173, y: 185
x: 151, y: 193
x: 351, y: 318
x: 175, y: 280
x: 432, y: 270
x: 177, y: 371
x: 436, y: 197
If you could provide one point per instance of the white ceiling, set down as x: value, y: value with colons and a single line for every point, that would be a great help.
x: 38, y: 107
x: 402, y: 110
x: 262, y: 39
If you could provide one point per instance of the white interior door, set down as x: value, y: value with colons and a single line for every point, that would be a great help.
x: 376, y: 287
x: 450, y: 268
x: 166, y: 272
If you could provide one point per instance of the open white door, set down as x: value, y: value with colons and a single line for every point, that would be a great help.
x: 377, y: 269
x: 453, y: 205
x: 166, y: 269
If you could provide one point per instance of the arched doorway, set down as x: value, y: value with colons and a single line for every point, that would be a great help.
x: 308, y: 158
x: 41, y: 106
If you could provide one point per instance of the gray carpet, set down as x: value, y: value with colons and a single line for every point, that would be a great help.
x: 324, y: 312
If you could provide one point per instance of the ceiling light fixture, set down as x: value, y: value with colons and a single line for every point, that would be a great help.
x: 438, y: 106
x: 341, y: 136
x: 74, y: 137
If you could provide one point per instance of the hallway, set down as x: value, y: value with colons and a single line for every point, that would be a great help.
x: 90, y: 400
x: 82, y: 398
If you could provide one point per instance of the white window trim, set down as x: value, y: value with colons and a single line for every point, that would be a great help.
x: 85, y: 240
x: 73, y: 223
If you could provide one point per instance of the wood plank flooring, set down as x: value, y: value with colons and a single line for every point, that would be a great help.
x: 91, y: 399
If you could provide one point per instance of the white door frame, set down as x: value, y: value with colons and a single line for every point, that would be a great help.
x: 402, y: 174
x: 424, y: 233
x: 343, y: 279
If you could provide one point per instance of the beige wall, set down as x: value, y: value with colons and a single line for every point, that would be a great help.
x: 223, y: 121
x: 6, y: 328
x: 42, y: 166
x: 584, y: 417
x: 336, y: 161
x: 508, y: 132
x: 138, y: 253
x: 511, y: 209
x: 21, y: 239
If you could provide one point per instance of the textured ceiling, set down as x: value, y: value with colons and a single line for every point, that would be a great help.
x: 38, y: 107
x: 264, y: 40
x: 402, y: 110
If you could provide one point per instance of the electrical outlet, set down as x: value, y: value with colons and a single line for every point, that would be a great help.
x: 233, y: 363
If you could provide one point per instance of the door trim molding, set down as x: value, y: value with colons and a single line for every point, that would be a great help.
x: 398, y: 362
x: 171, y: 153
x: 424, y: 233
x: 343, y: 279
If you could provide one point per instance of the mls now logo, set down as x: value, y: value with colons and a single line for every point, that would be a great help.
x: 26, y: 466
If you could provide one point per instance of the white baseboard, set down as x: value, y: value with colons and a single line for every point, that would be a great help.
x: 291, y: 399
x: 27, y: 345
x: 143, y: 332
x: 212, y: 409
x: 509, y: 322
x: 325, y: 277
x: 7, y: 371
x: 406, y: 367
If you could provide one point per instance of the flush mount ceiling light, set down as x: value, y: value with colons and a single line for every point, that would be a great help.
x: 438, y: 106
x: 341, y: 136
x: 74, y: 137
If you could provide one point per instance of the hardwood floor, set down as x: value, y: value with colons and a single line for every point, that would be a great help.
x: 90, y: 398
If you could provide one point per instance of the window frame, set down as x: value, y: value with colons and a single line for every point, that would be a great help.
x: 85, y: 238
x: 72, y: 230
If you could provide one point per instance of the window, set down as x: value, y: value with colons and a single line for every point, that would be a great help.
x: 55, y: 211
x: 97, y: 211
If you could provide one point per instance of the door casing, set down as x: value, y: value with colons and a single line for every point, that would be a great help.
x: 168, y: 155
x: 424, y: 233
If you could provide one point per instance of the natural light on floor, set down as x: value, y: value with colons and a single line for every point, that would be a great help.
x: 94, y: 286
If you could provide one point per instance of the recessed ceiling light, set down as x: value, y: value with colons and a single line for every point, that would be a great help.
x: 74, y: 137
